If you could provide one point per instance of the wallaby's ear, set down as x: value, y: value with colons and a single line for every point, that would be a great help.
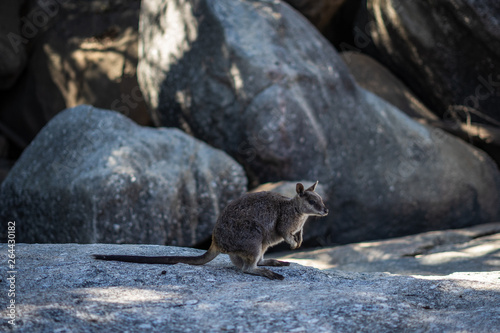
x: 300, y: 189
x: 313, y: 187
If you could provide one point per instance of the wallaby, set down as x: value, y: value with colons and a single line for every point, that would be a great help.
x: 247, y: 227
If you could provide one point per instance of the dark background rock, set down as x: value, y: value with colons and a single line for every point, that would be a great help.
x: 12, y: 62
x: 12, y: 51
x: 320, y: 13
x: 447, y: 57
x: 94, y: 176
x: 61, y: 288
x: 447, y: 52
x: 258, y: 81
x: 374, y: 77
x: 5, y: 163
x: 333, y: 18
x: 80, y: 52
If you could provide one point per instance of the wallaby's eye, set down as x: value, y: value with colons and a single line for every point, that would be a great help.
x: 311, y: 202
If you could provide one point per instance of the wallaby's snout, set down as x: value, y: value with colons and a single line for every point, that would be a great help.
x: 323, y: 211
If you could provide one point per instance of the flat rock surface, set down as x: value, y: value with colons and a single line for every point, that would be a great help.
x: 60, y: 288
x: 475, y: 249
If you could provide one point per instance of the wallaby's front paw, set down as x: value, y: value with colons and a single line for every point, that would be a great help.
x: 297, y: 237
x: 296, y: 245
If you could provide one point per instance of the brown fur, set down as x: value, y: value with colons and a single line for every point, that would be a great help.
x: 247, y: 227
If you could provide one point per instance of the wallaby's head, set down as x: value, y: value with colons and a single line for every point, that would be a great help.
x: 310, y: 201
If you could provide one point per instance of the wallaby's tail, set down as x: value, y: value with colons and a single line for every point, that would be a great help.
x: 169, y: 260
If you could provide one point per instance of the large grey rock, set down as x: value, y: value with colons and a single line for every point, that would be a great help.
x: 448, y: 51
x: 256, y: 79
x: 95, y: 176
x: 60, y: 288
x: 474, y: 249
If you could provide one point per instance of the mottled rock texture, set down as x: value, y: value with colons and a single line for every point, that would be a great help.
x: 95, y: 176
x: 61, y: 288
x: 474, y: 249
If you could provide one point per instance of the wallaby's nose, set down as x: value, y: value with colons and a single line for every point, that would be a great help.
x: 326, y: 211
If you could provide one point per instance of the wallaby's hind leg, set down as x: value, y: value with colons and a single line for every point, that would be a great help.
x: 236, y: 260
x: 272, y: 262
x: 249, y: 265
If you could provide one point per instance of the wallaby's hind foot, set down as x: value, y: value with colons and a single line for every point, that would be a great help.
x: 273, y: 262
x: 249, y: 266
x: 264, y: 272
